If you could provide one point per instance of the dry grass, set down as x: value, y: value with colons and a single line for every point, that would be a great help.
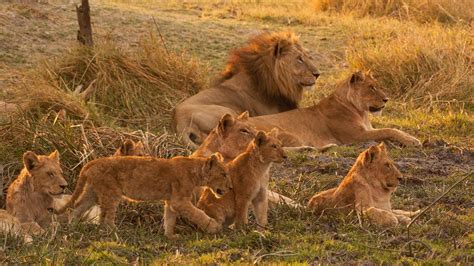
x: 444, y: 11
x: 427, y: 63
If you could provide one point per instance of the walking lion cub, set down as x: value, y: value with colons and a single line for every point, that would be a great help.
x: 367, y: 187
x: 106, y: 180
x: 249, y: 175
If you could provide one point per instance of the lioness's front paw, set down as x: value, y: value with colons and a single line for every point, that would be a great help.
x: 213, y: 227
x: 411, y: 141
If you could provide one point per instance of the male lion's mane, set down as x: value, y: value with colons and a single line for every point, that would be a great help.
x: 259, y: 60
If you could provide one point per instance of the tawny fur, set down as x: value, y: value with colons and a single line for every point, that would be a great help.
x: 30, y: 198
x: 367, y: 188
x: 341, y: 118
x: 249, y: 175
x: 12, y: 226
x: 264, y: 77
x: 106, y: 180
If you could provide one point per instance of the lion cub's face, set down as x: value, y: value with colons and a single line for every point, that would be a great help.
x: 300, y: 65
x: 130, y: 148
x: 269, y: 146
x: 234, y: 134
x: 365, y: 93
x: 216, y: 172
x: 46, y: 172
x: 380, y: 170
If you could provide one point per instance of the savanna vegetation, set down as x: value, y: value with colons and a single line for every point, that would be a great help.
x: 151, y: 54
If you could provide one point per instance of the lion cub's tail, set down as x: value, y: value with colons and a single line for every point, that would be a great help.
x: 81, y: 183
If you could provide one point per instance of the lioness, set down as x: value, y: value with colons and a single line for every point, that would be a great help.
x: 106, y: 180
x: 30, y: 198
x: 266, y: 76
x: 130, y: 148
x: 341, y: 118
x: 368, y: 186
x: 249, y: 175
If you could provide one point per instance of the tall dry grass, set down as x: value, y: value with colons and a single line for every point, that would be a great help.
x: 445, y: 11
x: 420, y: 64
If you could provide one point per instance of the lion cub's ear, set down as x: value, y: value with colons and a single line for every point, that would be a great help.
x: 127, y: 147
x: 226, y: 121
x: 274, y: 132
x: 243, y: 116
x: 371, y: 154
x: 260, y: 138
x: 357, y: 77
x: 54, y: 155
x: 213, y: 160
x: 30, y: 160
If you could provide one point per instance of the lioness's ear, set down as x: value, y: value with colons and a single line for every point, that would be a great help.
x: 139, y: 145
x: 243, y: 116
x: 30, y: 160
x: 226, y: 121
x: 127, y: 147
x: 371, y: 154
x: 357, y: 77
x: 260, y: 138
x: 54, y: 155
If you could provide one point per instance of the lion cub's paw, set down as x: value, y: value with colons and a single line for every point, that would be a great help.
x: 404, y: 220
x: 173, y: 237
x: 213, y: 227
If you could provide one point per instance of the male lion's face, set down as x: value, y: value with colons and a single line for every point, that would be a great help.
x: 380, y: 169
x: 366, y: 94
x: 130, y: 148
x: 269, y: 147
x: 235, y: 134
x: 301, y: 67
x: 46, y: 172
x: 216, y: 171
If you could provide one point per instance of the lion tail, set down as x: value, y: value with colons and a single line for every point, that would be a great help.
x: 81, y: 183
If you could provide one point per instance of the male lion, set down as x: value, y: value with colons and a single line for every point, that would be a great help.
x: 266, y: 76
x: 106, y: 180
x: 367, y: 187
x: 248, y: 173
x: 30, y: 198
x: 341, y: 118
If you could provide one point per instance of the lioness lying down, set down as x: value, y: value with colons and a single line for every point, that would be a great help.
x: 367, y: 187
x: 341, y: 118
x: 248, y: 173
x: 106, y: 180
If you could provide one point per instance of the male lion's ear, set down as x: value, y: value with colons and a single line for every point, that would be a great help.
x: 54, y: 155
x: 260, y: 138
x: 243, y: 116
x: 371, y: 154
x: 226, y: 121
x: 127, y: 147
x: 30, y: 160
x: 357, y: 77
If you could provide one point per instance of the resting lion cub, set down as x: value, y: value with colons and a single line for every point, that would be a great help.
x: 368, y: 186
x: 249, y: 175
x: 106, y: 180
x: 30, y: 198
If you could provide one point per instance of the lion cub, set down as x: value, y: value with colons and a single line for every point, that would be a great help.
x: 249, y: 175
x: 106, y: 180
x: 368, y: 186
x: 30, y: 198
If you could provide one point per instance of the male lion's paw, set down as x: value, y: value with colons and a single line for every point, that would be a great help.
x: 213, y: 227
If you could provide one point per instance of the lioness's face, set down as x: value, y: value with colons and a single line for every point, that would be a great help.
x: 46, y: 172
x: 368, y: 95
x: 217, y: 173
x: 301, y: 66
x: 381, y: 170
x: 270, y: 147
x: 235, y: 134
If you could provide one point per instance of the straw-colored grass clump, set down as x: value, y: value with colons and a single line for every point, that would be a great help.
x: 444, y: 11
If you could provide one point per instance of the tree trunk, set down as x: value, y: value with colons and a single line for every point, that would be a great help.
x: 84, y: 35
